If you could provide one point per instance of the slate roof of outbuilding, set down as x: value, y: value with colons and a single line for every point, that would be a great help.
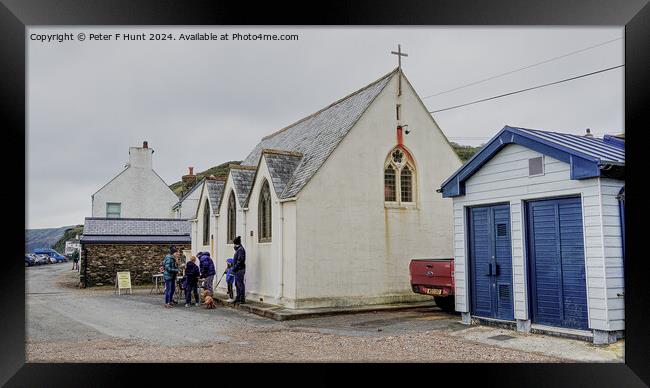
x: 136, y: 227
x: 318, y: 134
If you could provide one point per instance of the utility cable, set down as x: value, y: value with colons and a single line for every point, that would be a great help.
x: 527, y: 89
x: 524, y: 68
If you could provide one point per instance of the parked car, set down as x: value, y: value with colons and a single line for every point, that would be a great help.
x: 434, y: 277
x: 51, y: 253
x: 41, y: 259
x: 30, y: 260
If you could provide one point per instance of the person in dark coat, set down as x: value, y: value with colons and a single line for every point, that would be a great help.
x: 169, y: 274
x: 207, y: 271
x: 239, y: 269
x: 191, y: 282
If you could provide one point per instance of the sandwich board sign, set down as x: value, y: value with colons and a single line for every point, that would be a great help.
x: 123, y: 281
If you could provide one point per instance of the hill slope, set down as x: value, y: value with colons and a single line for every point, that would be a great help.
x: 218, y: 171
x: 465, y: 152
x: 59, y: 246
x: 43, y: 238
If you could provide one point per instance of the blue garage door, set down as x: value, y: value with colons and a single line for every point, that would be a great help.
x: 491, y: 262
x: 557, y: 263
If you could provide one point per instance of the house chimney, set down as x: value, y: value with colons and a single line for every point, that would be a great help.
x: 190, y: 179
x: 588, y: 134
x: 141, y: 156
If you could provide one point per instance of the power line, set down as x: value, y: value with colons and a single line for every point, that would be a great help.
x: 527, y: 89
x: 524, y: 68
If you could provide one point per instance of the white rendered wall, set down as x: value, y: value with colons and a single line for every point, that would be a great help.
x: 351, y: 249
x: 223, y: 249
x: 141, y: 192
x: 262, y: 259
x: 505, y: 179
x: 187, y: 209
x: 197, y: 236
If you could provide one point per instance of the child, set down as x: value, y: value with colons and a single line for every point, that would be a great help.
x: 191, y: 282
x: 230, y: 277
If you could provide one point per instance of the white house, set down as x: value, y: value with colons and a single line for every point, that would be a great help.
x: 186, y: 206
x: 72, y: 245
x: 136, y: 192
x: 538, y: 237
x: 332, y: 207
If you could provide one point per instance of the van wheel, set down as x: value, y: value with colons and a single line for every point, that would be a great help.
x: 446, y: 303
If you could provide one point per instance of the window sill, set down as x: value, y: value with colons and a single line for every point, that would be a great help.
x: 402, y: 206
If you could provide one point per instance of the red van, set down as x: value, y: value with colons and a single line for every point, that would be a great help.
x: 434, y: 277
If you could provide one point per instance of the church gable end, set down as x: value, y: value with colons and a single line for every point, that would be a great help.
x: 316, y: 136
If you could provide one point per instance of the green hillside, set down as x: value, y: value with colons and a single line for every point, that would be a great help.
x: 218, y: 171
x: 43, y: 238
x: 465, y: 152
x: 59, y: 246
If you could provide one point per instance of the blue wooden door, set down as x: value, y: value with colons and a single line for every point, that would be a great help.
x: 557, y: 263
x: 491, y: 262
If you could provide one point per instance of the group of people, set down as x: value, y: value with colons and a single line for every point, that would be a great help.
x: 205, y: 272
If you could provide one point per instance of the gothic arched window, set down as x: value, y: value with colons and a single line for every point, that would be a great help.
x: 399, y: 177
x: 232, y: 218
x: 264, y: 213
x: 206, y: 222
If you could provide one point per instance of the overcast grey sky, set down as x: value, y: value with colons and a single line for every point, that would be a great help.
x: 201, y: 103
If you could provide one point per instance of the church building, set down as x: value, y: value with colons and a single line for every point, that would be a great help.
x: 332, y: 208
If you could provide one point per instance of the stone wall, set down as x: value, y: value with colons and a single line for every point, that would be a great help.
x: 103, y: 261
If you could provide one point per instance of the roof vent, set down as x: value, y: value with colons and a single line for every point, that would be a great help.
x: 589, y: 134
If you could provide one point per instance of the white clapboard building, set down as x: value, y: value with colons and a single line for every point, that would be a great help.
x: 539, y: 233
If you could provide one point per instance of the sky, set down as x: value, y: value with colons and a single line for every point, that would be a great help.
x: 202, y: 103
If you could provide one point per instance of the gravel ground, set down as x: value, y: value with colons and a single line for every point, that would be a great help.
x: 284, y: 346
x: 65, y: 324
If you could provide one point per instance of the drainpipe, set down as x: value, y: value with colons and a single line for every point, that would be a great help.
x: 280, y: 240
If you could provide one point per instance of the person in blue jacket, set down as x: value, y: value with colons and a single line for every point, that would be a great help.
x: 230, y: 278
x: 191, y: 282
x: 207, y: 271
x: 169, y: 274
x: 239, y: 269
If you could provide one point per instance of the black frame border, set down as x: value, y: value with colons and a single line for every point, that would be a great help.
x: 15, y: 15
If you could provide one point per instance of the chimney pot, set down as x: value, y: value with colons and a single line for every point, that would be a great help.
x: 191, y: 170
x: 145, y: 144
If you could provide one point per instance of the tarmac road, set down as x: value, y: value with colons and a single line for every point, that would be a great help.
x: 67, y: 324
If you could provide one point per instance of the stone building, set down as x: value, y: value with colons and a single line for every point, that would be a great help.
x: 136, y: 192
x: 332, y: 207
x: 128, y: 244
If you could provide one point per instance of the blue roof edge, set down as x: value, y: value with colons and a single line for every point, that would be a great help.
x: 582, y: 166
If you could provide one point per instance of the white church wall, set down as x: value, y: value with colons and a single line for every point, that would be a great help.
x: 224, y: 250
x: 287, y: 290
x: 139, y: 190
x: 262, y: 258
x: 351, y: 248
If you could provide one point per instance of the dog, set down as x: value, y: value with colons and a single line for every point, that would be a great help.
x: 209, y: 302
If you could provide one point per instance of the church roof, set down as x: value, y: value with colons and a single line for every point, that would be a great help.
x: 215, y: 192
x: 281, y: 165
x: 242, y: 177
x: 317, y: 135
